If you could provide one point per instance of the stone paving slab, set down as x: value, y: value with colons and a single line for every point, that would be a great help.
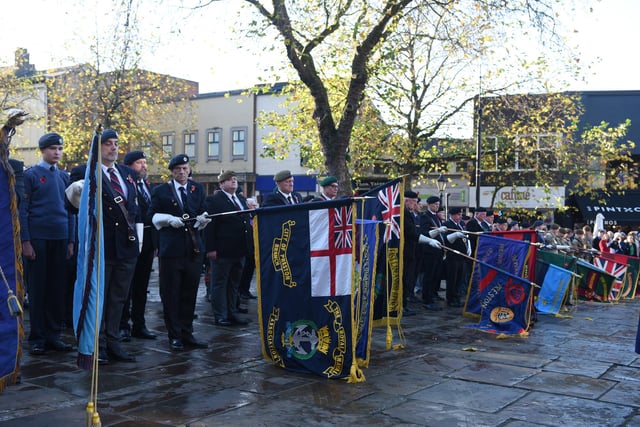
x: 567, y: 385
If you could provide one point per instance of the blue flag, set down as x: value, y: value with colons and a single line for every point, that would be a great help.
x: 505, y: 300
x: 305, y: 276
x: 11, y: 286
x: 385, y: 205
x: 88, y: 295
x: 366, y: 262
x: 505, y: 254
x: 554, y: 288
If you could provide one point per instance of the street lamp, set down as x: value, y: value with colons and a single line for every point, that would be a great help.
x: 441, y: 182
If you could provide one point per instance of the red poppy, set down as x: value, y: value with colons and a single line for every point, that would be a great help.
x: 43, y: 180
x: 193, y: 188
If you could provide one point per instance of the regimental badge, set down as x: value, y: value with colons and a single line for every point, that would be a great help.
x: 502, y: 315
x: 303, y: 338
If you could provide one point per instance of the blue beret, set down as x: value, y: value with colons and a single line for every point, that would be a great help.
x: 49, y: 139
x: 433, y: 199
x: 133, y: 156
x: 410, y: 195
x: 108, y: 134
x: 328, y: 180
x: 180, y: 159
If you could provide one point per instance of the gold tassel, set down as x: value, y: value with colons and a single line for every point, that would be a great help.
x: 89, y: 413
x: 355, y: 374
x: 389, y: 337
x: 95, y: 422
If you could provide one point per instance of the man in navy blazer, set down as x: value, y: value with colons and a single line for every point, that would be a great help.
x: 178, y: 213
x: 283, y: 194
x: 228, y: 242
x: 120, y: 213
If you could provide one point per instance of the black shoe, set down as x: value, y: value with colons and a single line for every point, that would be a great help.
x: 176, y: 345
x: 58, y: 345
x: 247, y: 295
x: 438, y: 298
x: 242, y: 310
x: 223, y: 322
x: 120, y: 355
x: 103, y: 359
x: 125, y: 335
x: 432, y: 307
x: 37, y: 349
x: 143, y: 333
x: 238, y: 321
x: 193, y: 342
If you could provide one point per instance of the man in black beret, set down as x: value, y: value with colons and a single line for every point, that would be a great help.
x: 329, y: 189
x: 120, y: 216
x: 433, y: 264
x: 477, y: 224
x: 283, y: 194
x: 47, y: 233
x: 457, y: 267
x: 135, y: 305
x: 179, y: 214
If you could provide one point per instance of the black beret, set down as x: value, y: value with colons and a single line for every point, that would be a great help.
x: 226, y: 175
x: 433, y: 199
x: 180, y: 159
x: 133, y: 156
x: 537, y: 223
x: 501, y: 221
x: 328, y: 180
x: 410, y: 195
x: 108, y: 134
x: 480, y: 209
x: 49, y: 139
x: 455, y: 211
x: 489, y: 212
x: 282, y: 175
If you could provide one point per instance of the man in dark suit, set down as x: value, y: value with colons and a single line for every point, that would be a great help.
x: 456, y: 266
x: 178, y: 213
x: 283, y: 194
x: 329, y: 189
x: 228, y: 243
x: 477, y: 224
x: 120, y: 214
x: 137, y: 300
x: 431, y: 226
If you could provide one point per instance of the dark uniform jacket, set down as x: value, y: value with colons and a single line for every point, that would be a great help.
x: 459, y: 245
x: 276, y: 198
x: 178, y: 242
x: 229, y: 235
x: 429, y: 221
x: 117, y: 244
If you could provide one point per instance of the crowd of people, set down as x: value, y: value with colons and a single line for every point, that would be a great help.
x: 191, y: 232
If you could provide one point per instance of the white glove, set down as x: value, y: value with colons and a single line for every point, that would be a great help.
x: 73, y: 193
x: 455, y: 236
x: 202, y: 221
x: 431, y: 242
x: 160, y: 220
x: 140, y: 231
x: 563, y: 247
x: 176, y: 222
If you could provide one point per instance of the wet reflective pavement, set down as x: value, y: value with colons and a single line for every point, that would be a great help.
x: 577, y: 371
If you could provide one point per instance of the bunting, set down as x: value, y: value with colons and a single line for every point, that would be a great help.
x: 88, y: 293
x: 305, y: 279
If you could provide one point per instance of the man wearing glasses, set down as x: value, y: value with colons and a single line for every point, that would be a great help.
x: 329, y: 189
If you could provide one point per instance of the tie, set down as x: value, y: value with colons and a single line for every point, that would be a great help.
x: 145, y: 196
x: 289, y: 201
x: 183, y: 197
x: 236, y: 202
x: 115, y: 182
x: 52, y: 168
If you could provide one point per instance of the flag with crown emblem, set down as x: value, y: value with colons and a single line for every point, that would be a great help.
x: 305, y: 277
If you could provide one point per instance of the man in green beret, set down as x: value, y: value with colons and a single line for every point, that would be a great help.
x: 283, y: 194
x: 329, y: 189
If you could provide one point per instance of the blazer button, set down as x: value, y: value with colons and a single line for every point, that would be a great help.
x: 117, y: 224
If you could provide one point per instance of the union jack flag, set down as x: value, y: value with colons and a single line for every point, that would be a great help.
x: 615, y: 269
x: 343, y: 226
x: 390, y: 199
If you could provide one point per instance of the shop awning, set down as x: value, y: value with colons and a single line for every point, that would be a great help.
x: 617, y: 209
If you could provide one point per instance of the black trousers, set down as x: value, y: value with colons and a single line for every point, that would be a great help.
x: 179, y: 279
x: 433, y: 270
x: 457, y: 271
x: 117, y: 279
x: 137, y: 301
